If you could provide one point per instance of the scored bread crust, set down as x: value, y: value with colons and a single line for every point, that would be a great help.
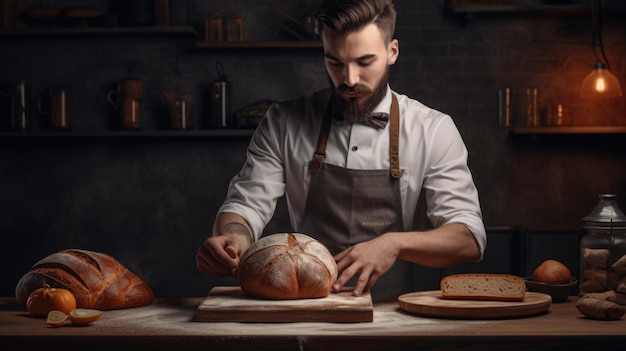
x: 483, y: 286
x: 287, y: 266
x: 96, y: 280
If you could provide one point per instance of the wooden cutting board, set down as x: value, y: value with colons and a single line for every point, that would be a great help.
x: 230, y: 304
x: 432, y: 304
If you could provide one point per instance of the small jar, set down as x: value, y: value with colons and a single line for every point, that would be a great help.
x: 60, y: 118
x: 213, y: 27
x: 603, y: 249
x: 234, y: 30
x: 132, y: 93
x: 181, y: 114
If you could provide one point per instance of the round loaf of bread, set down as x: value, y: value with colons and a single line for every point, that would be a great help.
x: 287, y: 266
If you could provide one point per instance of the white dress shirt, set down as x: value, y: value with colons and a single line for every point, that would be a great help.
x: 432, y: 155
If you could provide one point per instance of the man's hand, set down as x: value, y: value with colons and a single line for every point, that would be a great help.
x: 219, y: 254
x: 370, y: 260
x: 448, y: 245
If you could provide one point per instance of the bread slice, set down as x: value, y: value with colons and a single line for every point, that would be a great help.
x: 483, y: 286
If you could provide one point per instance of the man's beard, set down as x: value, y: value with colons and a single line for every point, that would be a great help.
x: 352, y: 110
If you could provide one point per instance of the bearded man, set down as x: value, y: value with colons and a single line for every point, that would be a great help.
x: 359, y: 165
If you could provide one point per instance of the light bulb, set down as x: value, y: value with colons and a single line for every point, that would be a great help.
x: 600, y: 83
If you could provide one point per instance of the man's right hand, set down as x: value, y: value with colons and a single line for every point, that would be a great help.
x: 219, y: 254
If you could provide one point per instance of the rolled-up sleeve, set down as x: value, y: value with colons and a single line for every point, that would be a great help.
x: 451, y: 194
x: 254, y: 191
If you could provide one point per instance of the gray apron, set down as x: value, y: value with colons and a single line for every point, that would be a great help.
x: 348, y: 206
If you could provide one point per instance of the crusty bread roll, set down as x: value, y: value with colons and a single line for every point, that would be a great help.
x: 287, y: 266
x: 552, y: 272
x: 483, y: 286
x: 97, y: 280
x: 619, y: 266
x: 596, y: 257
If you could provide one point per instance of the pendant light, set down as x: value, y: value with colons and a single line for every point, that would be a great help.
x: 600, y: 82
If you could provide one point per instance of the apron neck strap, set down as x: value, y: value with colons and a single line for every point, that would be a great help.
x: 320, y: 151
x: 394, y: 136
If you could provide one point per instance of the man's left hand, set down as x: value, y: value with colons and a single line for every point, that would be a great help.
x: 370, y: 260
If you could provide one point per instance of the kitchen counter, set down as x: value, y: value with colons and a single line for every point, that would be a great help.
x: 169, y: 324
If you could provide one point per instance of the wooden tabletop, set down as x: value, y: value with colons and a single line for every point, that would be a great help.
x: 170, y: 324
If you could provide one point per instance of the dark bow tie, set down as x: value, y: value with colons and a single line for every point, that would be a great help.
x: 377, y: 120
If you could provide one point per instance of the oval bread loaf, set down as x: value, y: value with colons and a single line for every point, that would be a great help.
x: 483, y: 286
x: 97, y: 280
x: 287, y: 266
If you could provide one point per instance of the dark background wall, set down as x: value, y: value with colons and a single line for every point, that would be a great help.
x: 150, y: 201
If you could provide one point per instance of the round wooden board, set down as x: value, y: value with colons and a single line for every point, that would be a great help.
x: 432, y: 304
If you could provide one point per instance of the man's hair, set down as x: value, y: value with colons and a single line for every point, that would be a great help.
x: 346, y: 16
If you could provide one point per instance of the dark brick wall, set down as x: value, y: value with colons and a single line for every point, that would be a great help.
x: 150, y: 201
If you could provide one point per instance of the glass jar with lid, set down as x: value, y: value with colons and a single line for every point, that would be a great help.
x: 603, y: 249
x: 234, y: 27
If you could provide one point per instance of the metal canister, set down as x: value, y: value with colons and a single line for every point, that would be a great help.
x: 220, y: 100
x: 20, y: 111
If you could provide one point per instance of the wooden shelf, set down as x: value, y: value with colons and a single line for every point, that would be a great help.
x: 259, y: 45
x: 42, y: 32
x: 205, y: 133
x: 521, y: 9
x: 470, y: 9
x: 570, y: 130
